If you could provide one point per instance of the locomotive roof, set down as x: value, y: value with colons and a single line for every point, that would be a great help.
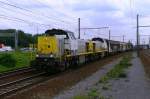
x: 98, y: 39
x: 113, y: 41
x: 58, y: 32
x: 55, y: 31
x: 118, y: 42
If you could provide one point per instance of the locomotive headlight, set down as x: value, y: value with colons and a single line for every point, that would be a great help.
x: 37, y: 55
x: 51, y: 55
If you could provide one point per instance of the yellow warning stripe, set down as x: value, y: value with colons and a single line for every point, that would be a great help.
x: 87, y: 53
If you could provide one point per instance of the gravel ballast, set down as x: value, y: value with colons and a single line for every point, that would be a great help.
x: 86, y: 84
x: 136, y: 85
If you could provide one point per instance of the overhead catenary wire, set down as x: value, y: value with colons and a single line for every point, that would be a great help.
x: 25, y: 21
x: 32, y: 12
x: 18, y: 12
x: 15, y: 11
x: 53, y: 25
x: 25, y: 8
x: 21, y: 20
x: 116, y: 36
x: 59, y: 20
x: 145, y: 35
x: 95, y: 28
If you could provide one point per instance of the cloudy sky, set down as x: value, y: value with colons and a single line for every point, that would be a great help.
x: 35, y: 16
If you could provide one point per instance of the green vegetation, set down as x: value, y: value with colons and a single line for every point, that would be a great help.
x: 24, y: 39
x: 118, y: 71
x: 14, y: 60
x: 81, y: 97
x: 105, y: 87
x: 93, y: 94
x: 7, y: 60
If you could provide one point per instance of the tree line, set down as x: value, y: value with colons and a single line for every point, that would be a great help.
x: 24, y: 39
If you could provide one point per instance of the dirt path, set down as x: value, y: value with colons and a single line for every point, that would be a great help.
x: 135, y: 86
x: 86, y: 84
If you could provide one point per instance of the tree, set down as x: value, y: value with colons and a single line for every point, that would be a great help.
x: 24, y: 39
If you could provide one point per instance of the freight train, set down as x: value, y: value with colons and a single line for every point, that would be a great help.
x: 59, y: 49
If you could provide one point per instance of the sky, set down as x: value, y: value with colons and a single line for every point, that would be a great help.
x: 36, y: 16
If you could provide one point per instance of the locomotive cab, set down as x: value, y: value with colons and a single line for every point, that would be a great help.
x: 55, y: 42
x: 53, y: 48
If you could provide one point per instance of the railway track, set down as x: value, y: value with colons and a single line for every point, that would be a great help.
x: 145, y: 56
x: 146, y: 53
x: 16, y: 72
x: 14, y: 86
x: 8, y: 89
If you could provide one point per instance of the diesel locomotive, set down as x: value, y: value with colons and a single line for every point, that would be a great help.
x: 59, y: 49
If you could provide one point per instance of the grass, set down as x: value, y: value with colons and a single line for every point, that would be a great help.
x: 105, y: 87
x: 14, y: 60
x: 92, y: 94
x: 81, y: 97
x: 118, y: 71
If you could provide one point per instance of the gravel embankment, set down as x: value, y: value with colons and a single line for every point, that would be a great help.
x: 86, y: 84
x: 145, y: 57
x: 135, y: 86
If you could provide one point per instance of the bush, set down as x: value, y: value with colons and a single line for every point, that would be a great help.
x: 7, y: 60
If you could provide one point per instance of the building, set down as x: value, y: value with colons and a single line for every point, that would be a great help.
x: 1, y: 45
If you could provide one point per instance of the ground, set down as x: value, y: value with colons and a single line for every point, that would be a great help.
x: 135, y: 86
x: 85, y: 85
x: 121, y: 78
x: 22, y: 60
x: 63, y: 81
